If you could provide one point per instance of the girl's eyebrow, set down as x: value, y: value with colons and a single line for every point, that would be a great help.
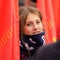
x: 34, y: 20
x: 29, y: 22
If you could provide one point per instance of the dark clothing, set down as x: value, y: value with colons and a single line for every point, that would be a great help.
x: 33, y: 42
x: 48, y: 52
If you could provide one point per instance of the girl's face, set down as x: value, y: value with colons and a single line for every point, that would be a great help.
x: 33, y: 25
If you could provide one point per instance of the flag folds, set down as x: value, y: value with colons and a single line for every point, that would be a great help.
x: 46, y: 8
x: 9, y: 40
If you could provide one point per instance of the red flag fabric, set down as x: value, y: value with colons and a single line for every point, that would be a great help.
x: 45, y: 6
x: 9, y: 40
x: 58, y: 21
x: 56, y: 9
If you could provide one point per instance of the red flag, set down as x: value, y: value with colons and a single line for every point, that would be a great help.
x: 45, y: 6
x: 9, y: 41
x: 58, y: 21
x: 56, y: 8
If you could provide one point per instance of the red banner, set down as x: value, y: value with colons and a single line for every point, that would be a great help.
x: 45, y: 6
x: 9, y: 40
x: 56, y: 9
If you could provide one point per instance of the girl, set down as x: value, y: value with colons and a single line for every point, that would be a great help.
x: 31, y: 32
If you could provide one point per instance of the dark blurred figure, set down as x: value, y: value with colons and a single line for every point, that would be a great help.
x: 27, y: 3
x: 48, y: 52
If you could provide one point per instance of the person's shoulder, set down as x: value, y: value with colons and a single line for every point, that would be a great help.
x: 46, y: 47
x: 51, y: 46
x: 48, y: 52
x: 58, y: 42
x: 49, y: 49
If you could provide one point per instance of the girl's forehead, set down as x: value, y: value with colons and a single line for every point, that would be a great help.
x: 32, y: 16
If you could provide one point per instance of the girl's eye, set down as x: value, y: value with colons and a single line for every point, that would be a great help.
x: 29, y: 24
x: 38, y: 22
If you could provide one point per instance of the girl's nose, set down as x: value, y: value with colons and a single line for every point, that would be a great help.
x: 35, y: 27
